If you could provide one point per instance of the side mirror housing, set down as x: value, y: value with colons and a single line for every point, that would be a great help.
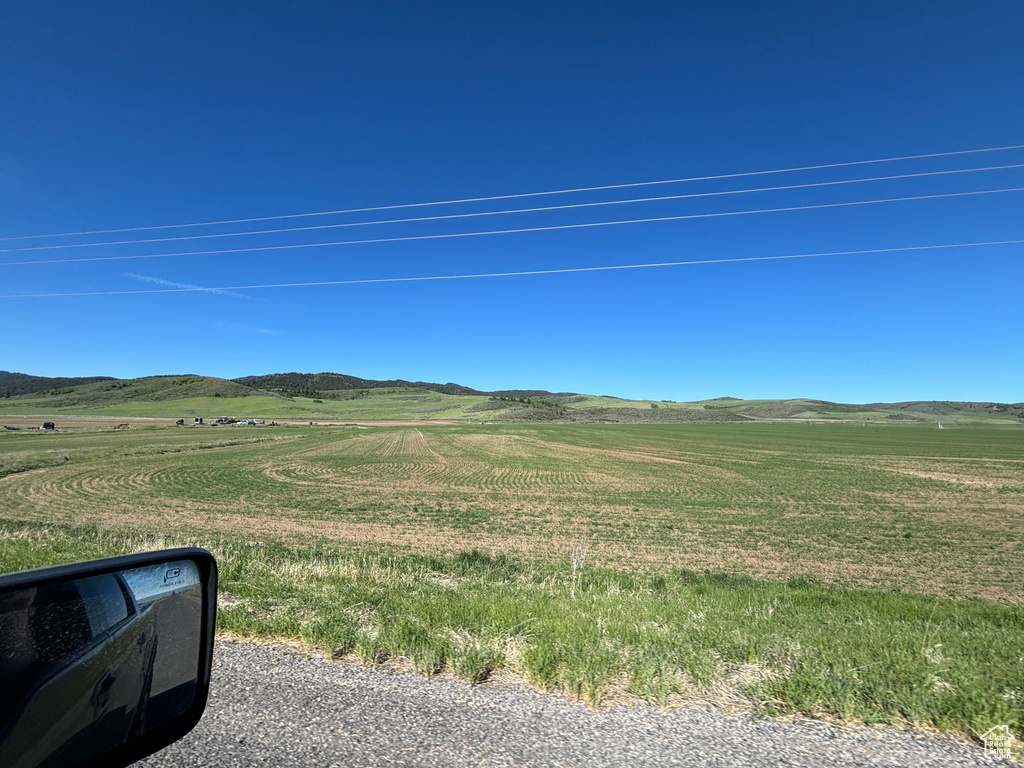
x: 105, y: 662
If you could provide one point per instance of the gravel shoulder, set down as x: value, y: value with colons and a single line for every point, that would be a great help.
x: 276, y: 706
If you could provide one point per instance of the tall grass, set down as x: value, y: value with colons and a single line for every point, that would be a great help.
x: 604, y: 636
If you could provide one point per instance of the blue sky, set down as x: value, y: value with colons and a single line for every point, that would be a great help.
x: 121, y: 115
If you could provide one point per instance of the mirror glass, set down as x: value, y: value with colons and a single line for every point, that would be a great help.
x: 88, y: 664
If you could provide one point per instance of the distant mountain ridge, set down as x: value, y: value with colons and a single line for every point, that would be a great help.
x: 323, y: 396
x: 335, y: 382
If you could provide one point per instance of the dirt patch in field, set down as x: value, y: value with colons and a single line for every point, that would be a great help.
x: 946, y: 477
x: 966, y: 458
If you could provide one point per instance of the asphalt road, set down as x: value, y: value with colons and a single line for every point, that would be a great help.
x: 272, y: 706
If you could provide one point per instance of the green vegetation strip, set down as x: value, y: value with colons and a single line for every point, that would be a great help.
x: 605, y: 636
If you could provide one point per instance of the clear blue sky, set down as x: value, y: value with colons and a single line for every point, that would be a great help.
x: 116, y: 115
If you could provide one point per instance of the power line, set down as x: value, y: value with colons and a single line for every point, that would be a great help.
x: 198, y: 289
x: 524, y: 194
x: 517, y: 210
x: 549, y: 228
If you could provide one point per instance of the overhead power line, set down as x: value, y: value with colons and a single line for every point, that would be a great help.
x: 549, y: 228
x: 567, y: 270
x: 824, y: 166
x: 568, y: 206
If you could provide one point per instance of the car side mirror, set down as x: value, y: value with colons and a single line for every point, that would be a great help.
x: 104, y: 662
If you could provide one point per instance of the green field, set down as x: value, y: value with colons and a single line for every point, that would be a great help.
x: 868, y: 574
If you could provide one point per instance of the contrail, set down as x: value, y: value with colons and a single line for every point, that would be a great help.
x: 186, y: 286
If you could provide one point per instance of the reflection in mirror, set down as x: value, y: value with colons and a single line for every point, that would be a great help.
x: 88, y: 664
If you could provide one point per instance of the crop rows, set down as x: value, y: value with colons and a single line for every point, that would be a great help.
x: 889, y: 507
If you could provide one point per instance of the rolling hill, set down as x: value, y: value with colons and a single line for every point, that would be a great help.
x: 328, y: 384
x: 331, y: 396
x: 12, y: 384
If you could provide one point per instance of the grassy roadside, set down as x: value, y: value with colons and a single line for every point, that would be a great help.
x: 605, y: 636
